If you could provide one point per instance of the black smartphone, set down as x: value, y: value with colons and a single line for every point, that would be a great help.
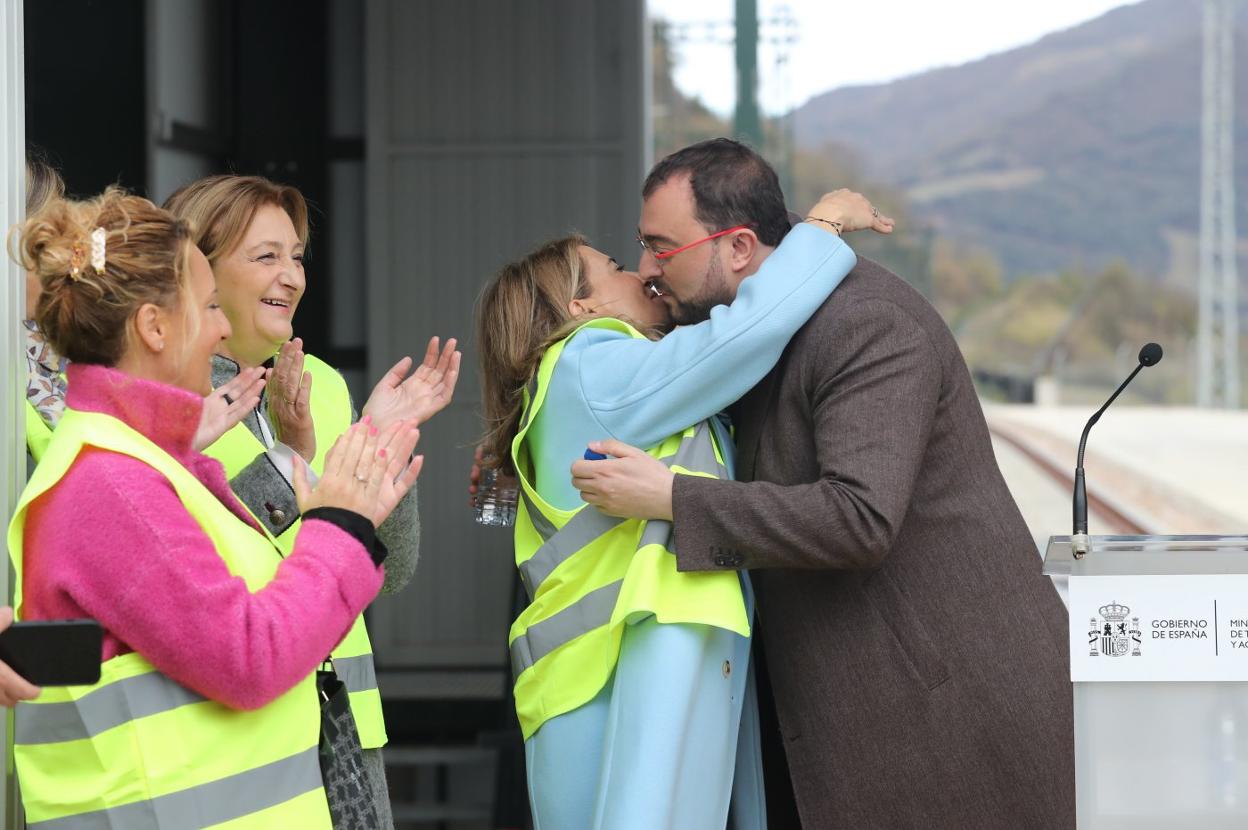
x: 54, y: 652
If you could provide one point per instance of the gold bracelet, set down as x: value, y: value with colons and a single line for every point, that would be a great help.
x: 836, y: 226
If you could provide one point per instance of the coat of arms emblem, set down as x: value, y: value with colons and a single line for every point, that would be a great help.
x: 1110, y: 636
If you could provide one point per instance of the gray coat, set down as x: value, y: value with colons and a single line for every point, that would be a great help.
x: 917, y: 656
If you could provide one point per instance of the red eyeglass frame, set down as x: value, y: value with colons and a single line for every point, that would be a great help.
x: 669, y: 254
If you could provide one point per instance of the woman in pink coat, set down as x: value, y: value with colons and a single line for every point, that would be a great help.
x: 131, y: 303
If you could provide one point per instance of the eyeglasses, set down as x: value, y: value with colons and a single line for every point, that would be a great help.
x: 662, y: 256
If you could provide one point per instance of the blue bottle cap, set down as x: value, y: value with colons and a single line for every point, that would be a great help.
x: 590, y: 455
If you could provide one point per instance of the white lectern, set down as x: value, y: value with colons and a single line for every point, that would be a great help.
x: 1159, y: 664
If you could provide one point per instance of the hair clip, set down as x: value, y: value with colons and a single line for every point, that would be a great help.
x: 77, y: 257
x: 97, y: 250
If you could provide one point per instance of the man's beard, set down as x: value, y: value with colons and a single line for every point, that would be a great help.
x: 697, y: 308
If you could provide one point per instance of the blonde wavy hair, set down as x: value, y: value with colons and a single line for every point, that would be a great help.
x: 520, y: 314
x: 85, y: 316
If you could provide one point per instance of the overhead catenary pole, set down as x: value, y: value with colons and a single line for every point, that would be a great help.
x: 1218, y: 325
x: 747, y: 122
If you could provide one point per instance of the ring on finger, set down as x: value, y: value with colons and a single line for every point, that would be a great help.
x: 875, y: 212
x: 361, y: 479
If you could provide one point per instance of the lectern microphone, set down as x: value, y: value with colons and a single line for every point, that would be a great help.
x: 1150, y: 355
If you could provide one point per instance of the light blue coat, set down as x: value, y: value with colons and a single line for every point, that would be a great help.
x: 658, y: 747
x: 609, y: 385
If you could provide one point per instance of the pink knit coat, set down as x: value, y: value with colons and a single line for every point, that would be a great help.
x: 111, y: 540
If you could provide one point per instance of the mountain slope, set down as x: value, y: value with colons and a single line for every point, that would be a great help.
x: 1078, y: 149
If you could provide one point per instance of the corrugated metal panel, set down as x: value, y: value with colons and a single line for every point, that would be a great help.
x: 492, y: 126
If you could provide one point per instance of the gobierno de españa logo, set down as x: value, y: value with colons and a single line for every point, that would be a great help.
x: 1110, y: 636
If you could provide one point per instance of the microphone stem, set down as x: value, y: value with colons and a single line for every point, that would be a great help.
x: 1079, y: 541
x: 1083, y: 440
x: 1081, y: 503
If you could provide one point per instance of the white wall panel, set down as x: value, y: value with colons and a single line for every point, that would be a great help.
x: 12, y: 309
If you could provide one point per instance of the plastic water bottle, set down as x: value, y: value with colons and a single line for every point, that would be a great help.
x: 496, y: 499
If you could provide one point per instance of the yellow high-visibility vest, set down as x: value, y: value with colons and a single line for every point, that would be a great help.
x: 137, y: 749
x: 38, y: 433
x: 330, y: 405
x: 589, y: 574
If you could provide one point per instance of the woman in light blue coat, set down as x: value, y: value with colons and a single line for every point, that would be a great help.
x: 671, y: 738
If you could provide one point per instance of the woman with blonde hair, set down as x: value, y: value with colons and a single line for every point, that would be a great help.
x: 254, y: 233
x: 45, y: 376
x: 630, y: 677
x: 206, y: 711
x: 45, y: 385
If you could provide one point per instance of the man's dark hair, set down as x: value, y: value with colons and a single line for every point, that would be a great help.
x: 732, y: 185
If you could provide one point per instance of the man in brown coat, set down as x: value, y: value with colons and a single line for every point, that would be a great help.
x: 915, y: 655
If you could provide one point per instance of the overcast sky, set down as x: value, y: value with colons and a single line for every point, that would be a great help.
x: 842, y: 43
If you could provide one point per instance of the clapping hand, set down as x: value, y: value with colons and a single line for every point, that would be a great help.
x: 397, y: 444
x: 228, y: 404
x: 367, y: 471
x: 420, y: 395
x: 290, y: 395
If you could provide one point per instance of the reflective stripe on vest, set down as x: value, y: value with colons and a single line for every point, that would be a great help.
x: 353, y: 657
x: 247, y: 794
x: 696, y: 452
x: 596, y: 607
x: 102, y: 709
x: 589, y: 612
x: 588, y: 574
x: 137, y: 749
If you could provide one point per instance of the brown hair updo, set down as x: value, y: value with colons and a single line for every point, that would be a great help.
x: 85, y: 316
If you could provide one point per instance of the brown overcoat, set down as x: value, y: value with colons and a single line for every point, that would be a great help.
x: 917, y: 656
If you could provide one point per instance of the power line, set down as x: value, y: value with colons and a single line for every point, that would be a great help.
x: 746, y: 33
